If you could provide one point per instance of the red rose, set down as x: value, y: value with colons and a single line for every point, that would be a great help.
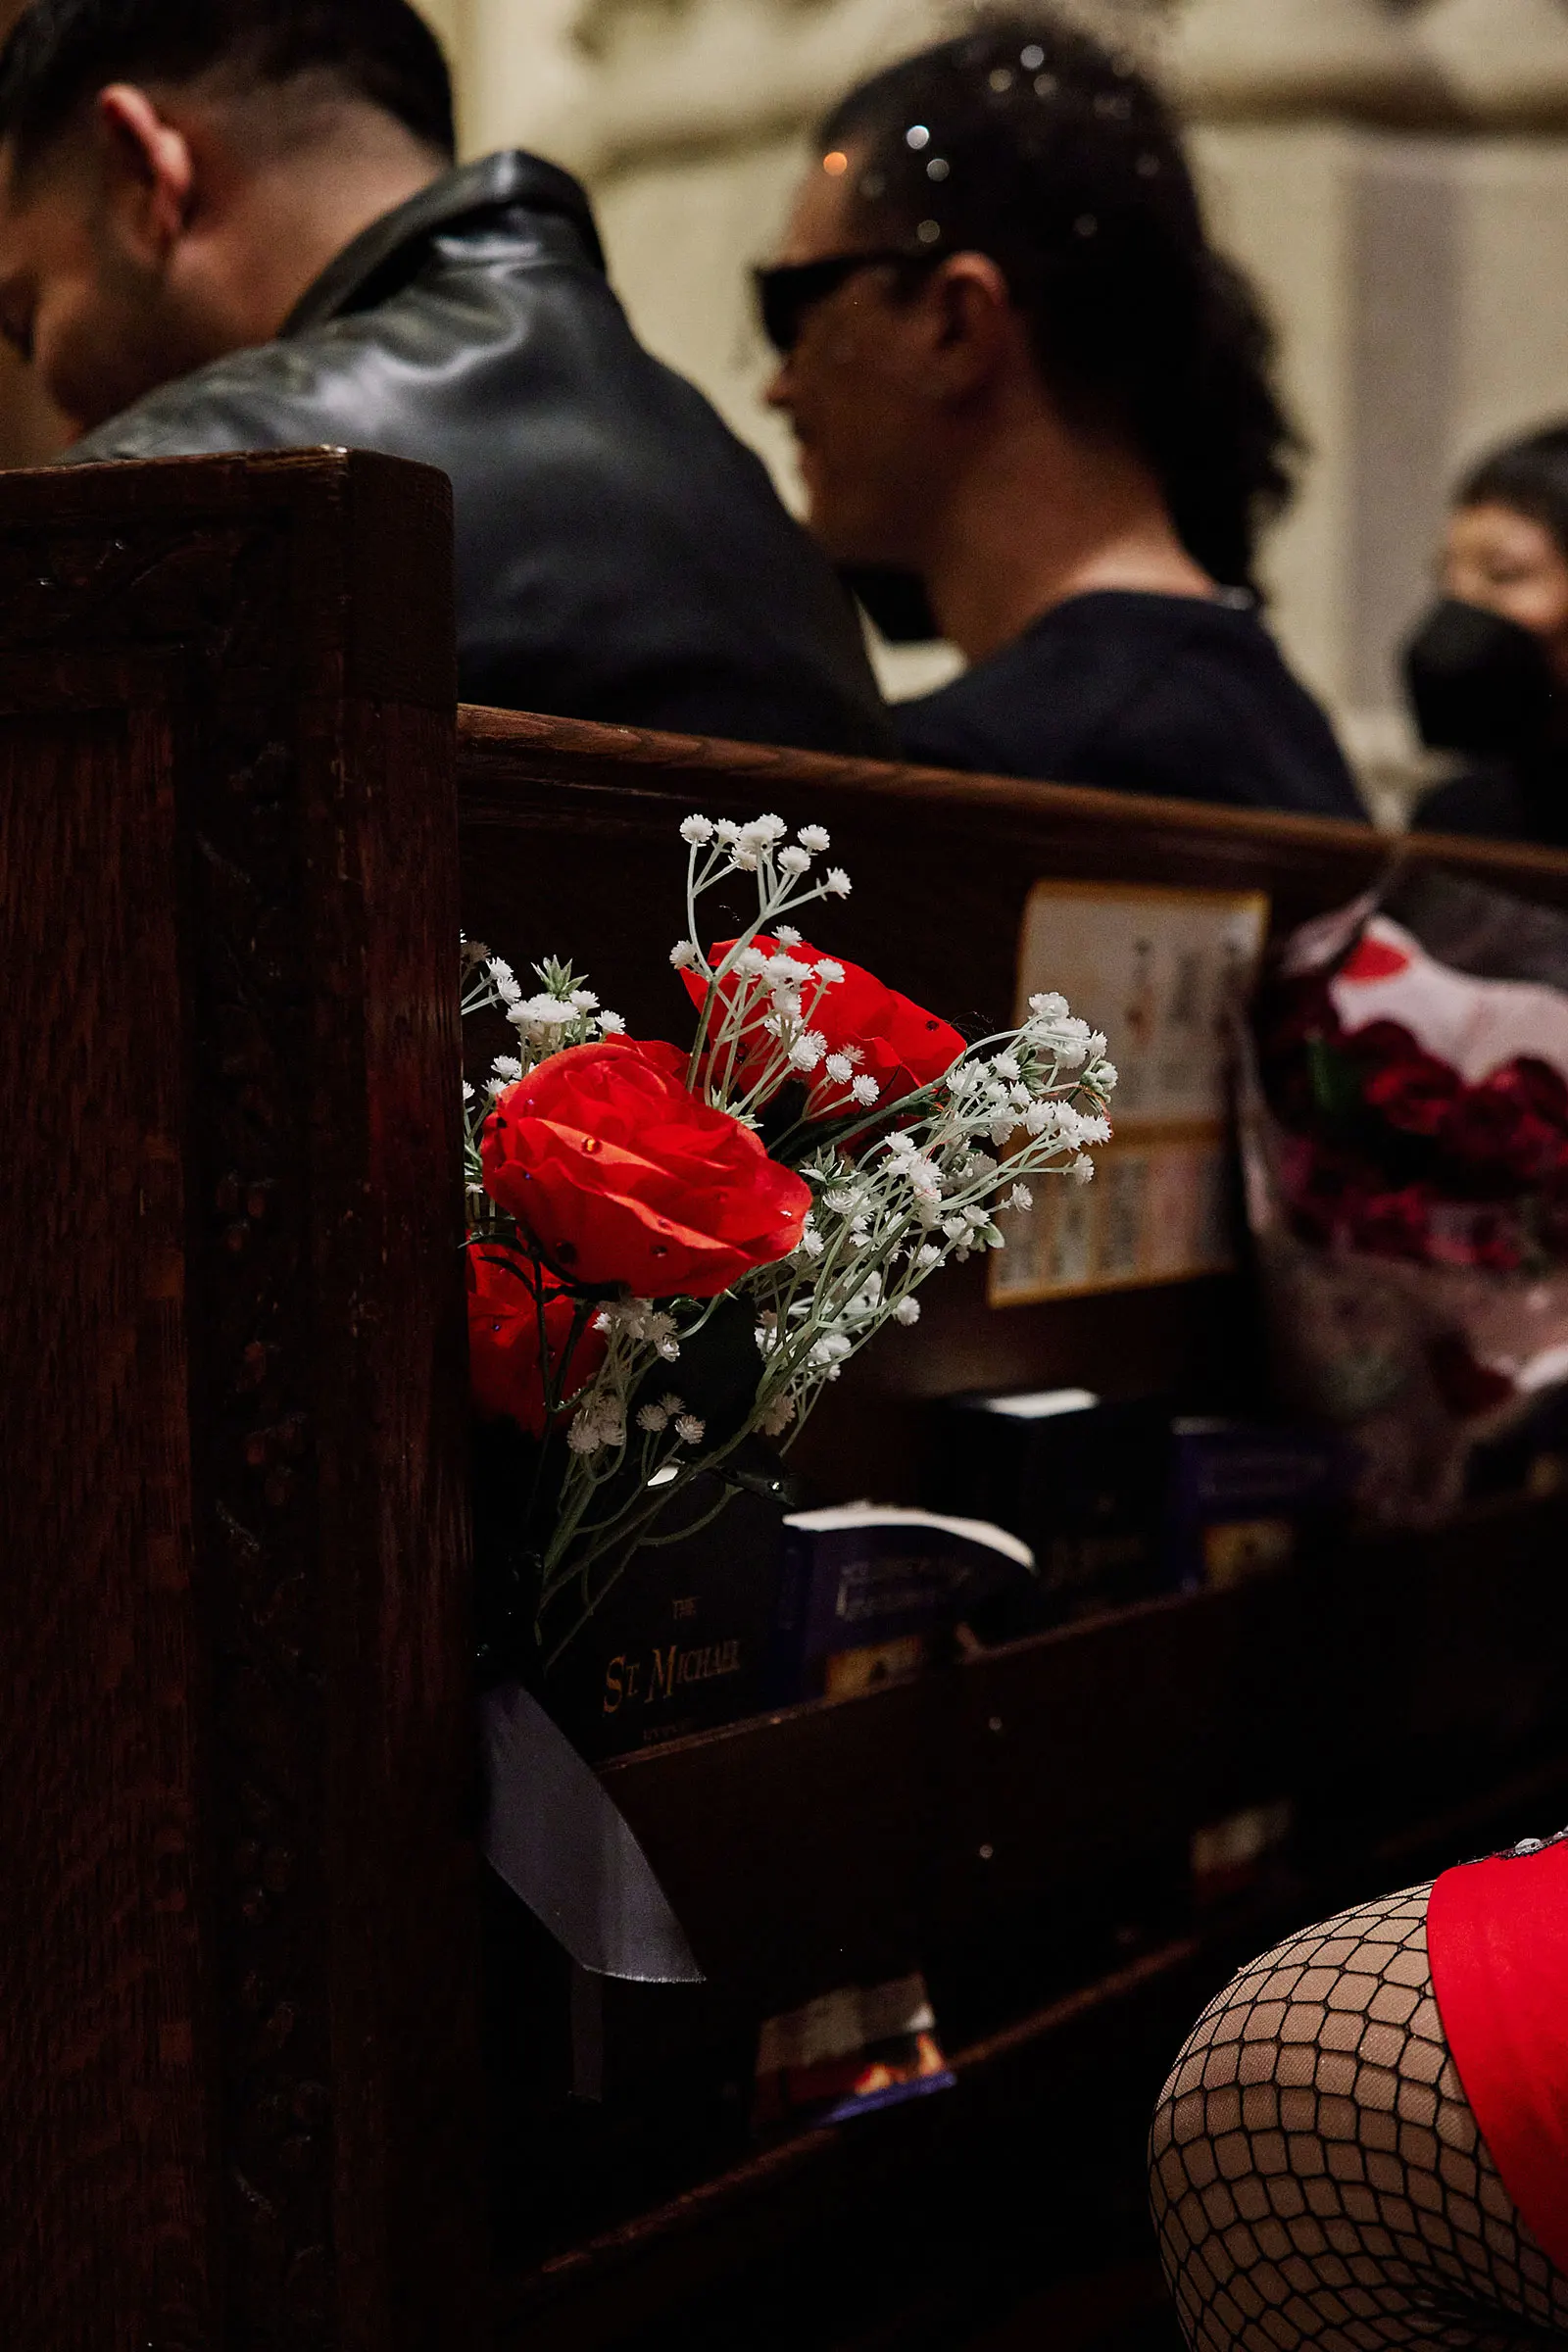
x: 1496, y: 1138
x: 620, y: 1175
x: 887, y: 1037
x: 1415, y: 1094
x: 503, y: 1351
x: 1392, y: 1224
x: 1384, y: 1043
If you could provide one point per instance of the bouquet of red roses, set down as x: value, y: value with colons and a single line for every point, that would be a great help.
x: 672, y: 1252
x: 1407, y: 1163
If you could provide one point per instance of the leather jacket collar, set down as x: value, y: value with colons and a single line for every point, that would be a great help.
x: 387, y: 254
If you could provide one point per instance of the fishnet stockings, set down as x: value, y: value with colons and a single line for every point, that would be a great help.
x: 1318, y: 2177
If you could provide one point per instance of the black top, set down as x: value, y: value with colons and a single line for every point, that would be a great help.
x: 1174, y: 695
x: 1502, y: 800
x: 620, y: 555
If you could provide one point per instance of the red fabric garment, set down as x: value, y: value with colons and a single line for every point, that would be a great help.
x: 1497, y: 1941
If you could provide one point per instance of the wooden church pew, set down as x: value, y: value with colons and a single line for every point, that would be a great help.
x: 1402, y: 1697
x: 238, y: 2057
x: 240, y: 2079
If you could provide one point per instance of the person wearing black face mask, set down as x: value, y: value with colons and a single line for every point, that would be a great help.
x: 1487, y: 670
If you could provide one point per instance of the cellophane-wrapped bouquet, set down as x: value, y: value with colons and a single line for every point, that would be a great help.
x: 675, y: 1250
x: 1405, y: 1142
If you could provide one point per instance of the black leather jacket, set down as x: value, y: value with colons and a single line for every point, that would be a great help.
x: 620, y: 555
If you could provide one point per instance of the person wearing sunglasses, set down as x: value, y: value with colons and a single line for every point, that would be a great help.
x: 1028, y: 392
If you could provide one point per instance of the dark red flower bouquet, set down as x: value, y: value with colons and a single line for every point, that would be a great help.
x: 1407, y: 1165
x: 672, y: 1253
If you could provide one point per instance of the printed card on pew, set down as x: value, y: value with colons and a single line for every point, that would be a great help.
x: 1164, y: 973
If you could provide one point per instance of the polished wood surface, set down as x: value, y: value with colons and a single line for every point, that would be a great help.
x: 236, y: 1871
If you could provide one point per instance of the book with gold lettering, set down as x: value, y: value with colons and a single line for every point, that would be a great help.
x: 872, y: 1593
x: 683, y: 1644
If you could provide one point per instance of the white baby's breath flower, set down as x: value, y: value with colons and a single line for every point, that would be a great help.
x: 794, y: 861
x: 907, y: 1310
x: 807, y: 1050
x: 583, y: 1436
x: 750, y: 964
x: 785, y: 972
x: 1048, y: 1006
x: 1020, y: 1198
x: 811, y: 1242
x: 957, y: 1229
x: 468, y: 1090
x: 1104, y: 1075
x: 495, y: 1088
x: 815, y: 838
x: 843, y: 1202
x: 1097, y: 1046
x: 668, y: 1348
x: 839, y: 1068
x: 829, y: 970
x: 671, y: 1406
x: 777, y: 1418
x: 725, y: 830
x: 548, y: 1013
x: 689, y: 1430
x: 697, y: 830
x: 583, y: 1000
x: 838, y: 884
x: 610, y: 1024
x: 1005, y: 1067
x: 1001, y: 1128
x: 866, y: 1090
x: 928, y: 1254
x: 764, y: 830
x: 786, y: 935
x: 654, y: 1419
x: 683, y: 955
x: 1083, y: 1169
x: 507, y: 1065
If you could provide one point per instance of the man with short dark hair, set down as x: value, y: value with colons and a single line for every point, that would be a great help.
x: 234, y: 224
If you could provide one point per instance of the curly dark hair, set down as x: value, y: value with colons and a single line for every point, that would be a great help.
x: 1531, y: 475
x: 1033, y: 142
x: 60, y: 52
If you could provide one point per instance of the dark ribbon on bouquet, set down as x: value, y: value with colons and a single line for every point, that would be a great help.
x: 567, y: 1851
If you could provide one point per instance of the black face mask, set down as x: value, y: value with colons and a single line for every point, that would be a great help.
x: 1480, y: 684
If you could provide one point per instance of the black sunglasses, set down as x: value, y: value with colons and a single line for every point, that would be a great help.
x: 785, y: 293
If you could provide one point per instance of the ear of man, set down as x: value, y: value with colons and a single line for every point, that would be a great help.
x: 149, y: 172
x: 975, y: 336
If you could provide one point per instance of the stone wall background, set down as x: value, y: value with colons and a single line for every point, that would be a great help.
x: 1394, y: 173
